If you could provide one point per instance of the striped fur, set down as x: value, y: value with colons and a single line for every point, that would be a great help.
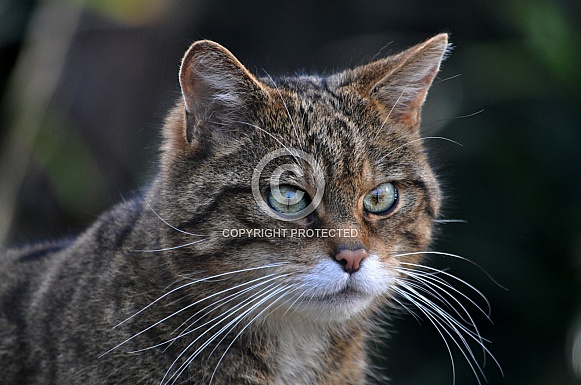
x: 155, y: 293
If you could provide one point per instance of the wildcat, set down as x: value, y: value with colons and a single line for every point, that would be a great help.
x: 181, y: 284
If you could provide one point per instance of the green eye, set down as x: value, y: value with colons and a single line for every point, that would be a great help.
x: 287, y: 199
x: 381, y: 200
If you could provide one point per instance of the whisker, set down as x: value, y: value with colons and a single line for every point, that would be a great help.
x: 167, y: 223
x: 446, y: 79
x: 444, y: 221
x: 390, y: 112
x: 228, y: 299
x: 418, y: 140
x: 216, y: 320
x: 286, y: 108
x: 221, y: 275
x: 272, y: 136
x: 407, y: 309
x: 173, y: 248
x: 453, y: 256
x: 429, y: 287
x: 431, y: 276
x: 179, y: 371
x: 295, y: 301
x: 184, y: 365
x: 474, y: 333
x: 436, y: 325
x: 437, y: 315
x: 247, y: 325
x: 183, y: 286
x: 374, y: 57
x: 452, y: 118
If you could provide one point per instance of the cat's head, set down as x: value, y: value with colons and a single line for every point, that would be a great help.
x: 314, y: 191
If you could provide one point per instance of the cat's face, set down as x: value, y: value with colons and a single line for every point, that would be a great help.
x: 314, y: 192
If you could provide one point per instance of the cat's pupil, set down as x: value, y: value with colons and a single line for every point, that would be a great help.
x: 377, y: 195
x: 381, y: 200
x: 289, y: 195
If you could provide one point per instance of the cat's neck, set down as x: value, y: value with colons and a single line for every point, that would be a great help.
x: 322, y: 352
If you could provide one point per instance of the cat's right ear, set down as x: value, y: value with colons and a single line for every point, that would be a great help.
x: 217, y: 90
x: 399, y: 84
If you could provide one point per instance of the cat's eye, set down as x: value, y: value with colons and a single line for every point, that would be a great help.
x: 381, y: 200
x: 287, y: 199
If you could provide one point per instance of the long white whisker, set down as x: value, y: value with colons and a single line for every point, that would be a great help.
x: 446, y: 79
x: 272, y: 136
x: 287, y: 110
x: 437, y: 325
x: 430, y: 287
x: 248, y: 324
x: 430, y: 279
x: 444, y: 221
x: 189, y: 329
x: 390, y: 112
x: 267, y: 298
x: 407, y: 309
x: 228, y: 299
x: 230, y: 325
x: 452, y: 256
x: 439, y: 315
x: 202, y: 280
x: 443, y: 319
x: 184, y: 365
x: 167, y: 223
x: 452, y: 276
x: 295, y: 301
x: 453, y: 117
x: 174, y: 247
x: 193, y: 304
x: 418, y: 140
x: 436, y: 317
x: 431, y: 283
x: 474, y: 334
x: 216, y: 320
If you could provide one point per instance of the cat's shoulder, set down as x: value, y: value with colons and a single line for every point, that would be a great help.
x: 34, y: 252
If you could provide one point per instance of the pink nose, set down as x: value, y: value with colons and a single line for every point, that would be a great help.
x: 352, y: 259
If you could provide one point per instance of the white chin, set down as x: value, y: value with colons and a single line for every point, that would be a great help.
x: 332, y: 293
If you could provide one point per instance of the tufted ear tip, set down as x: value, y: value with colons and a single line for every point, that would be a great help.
x: 399, y: 84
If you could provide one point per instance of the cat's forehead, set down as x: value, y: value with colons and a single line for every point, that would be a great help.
x: 311, y: 115
x: 314, y: 112
x: 317, y: 108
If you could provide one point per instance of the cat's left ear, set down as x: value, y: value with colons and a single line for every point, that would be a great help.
x: 217, y: 89
x: 400, y: 83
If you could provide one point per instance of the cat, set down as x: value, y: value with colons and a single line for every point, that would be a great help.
x: 286, y: 213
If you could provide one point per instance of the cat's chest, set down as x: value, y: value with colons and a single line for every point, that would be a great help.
x: 300, y: 355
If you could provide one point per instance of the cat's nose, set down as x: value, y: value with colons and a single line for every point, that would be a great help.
x: 350, y: 258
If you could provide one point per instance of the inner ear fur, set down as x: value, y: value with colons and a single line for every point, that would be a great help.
x: 216, y: 89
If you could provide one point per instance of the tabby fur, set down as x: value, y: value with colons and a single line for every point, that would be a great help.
x: 105, y: 307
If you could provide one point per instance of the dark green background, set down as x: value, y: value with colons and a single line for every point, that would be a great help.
x: 91, y: 140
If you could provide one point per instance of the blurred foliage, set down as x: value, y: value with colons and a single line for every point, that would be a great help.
x: 128, y: 11
x: 552, y: 35
x: 62, y: 153
x: 515, y: 180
